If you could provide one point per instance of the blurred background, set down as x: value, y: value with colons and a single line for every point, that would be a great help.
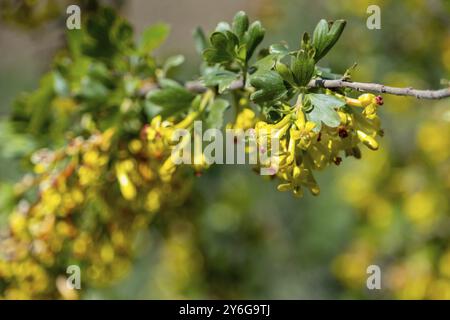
x: 245, y: 240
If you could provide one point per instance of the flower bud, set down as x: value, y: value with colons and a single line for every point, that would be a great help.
x: 370, y: 142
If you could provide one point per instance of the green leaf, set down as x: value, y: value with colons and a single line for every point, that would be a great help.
x: 221, y: 78
x: 266, y: 63
x: 172, y: 98
x: 285, y: 72
x: 240, y: 24
x: 303, y: 67
x: 93, y: 89
x: 60, y: 85
x: 98, y: 31
x: 241, y: 53
x: 219, y: 40
x: 233, y: 41
x: 199, y: 40
x: 305, y: 42
x: 324, y: 37
x: 327, y: 100
x: 173, y: 62
x: 269, y: 87
x: 320, y: 36
x: 122, y: 35
x: 279, y: 49
x: 254, y: 37
x: 7, y: 201
x: 276, y: 53
x: 237, y: 42
x: 153, y: 37
x: 18, y: 145
x: 324, y: 110
x: 325, y: 73
x: 33, y: 109
x: 215, y: 115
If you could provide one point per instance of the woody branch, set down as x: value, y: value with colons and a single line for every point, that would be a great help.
x: 380, y: 88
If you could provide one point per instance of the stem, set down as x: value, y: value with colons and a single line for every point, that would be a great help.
x: 359, y: 86
x: 380, y: 88
x: 299, y: 102
x: 244, y: 74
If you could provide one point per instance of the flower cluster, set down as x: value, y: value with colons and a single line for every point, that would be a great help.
x: 161, y: 138
x: 76, y: 192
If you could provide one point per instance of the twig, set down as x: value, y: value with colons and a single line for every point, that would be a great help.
x: 198, y: 87
x: 379, y: 88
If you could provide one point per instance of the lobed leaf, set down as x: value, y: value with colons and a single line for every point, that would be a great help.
x: 269, y: 87
x: 303, y: 66
x: 324, y: 110
x: 172, y: 98
x: 324, y: 37
x: 221, y: 78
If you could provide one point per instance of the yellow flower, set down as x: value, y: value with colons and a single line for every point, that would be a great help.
x: 368, y: 141
x: 305, y: 133
x: 127, y: 188
x: 17, y: 222
x: 368, y: 101
x: 159, y: 134
x: 244, y: 120
x: 153, y: 202
x: 167, y: 170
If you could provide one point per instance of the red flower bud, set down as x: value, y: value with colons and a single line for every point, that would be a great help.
x: 379, y: 100
x: 342, y: 132
x: 337, y: 160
